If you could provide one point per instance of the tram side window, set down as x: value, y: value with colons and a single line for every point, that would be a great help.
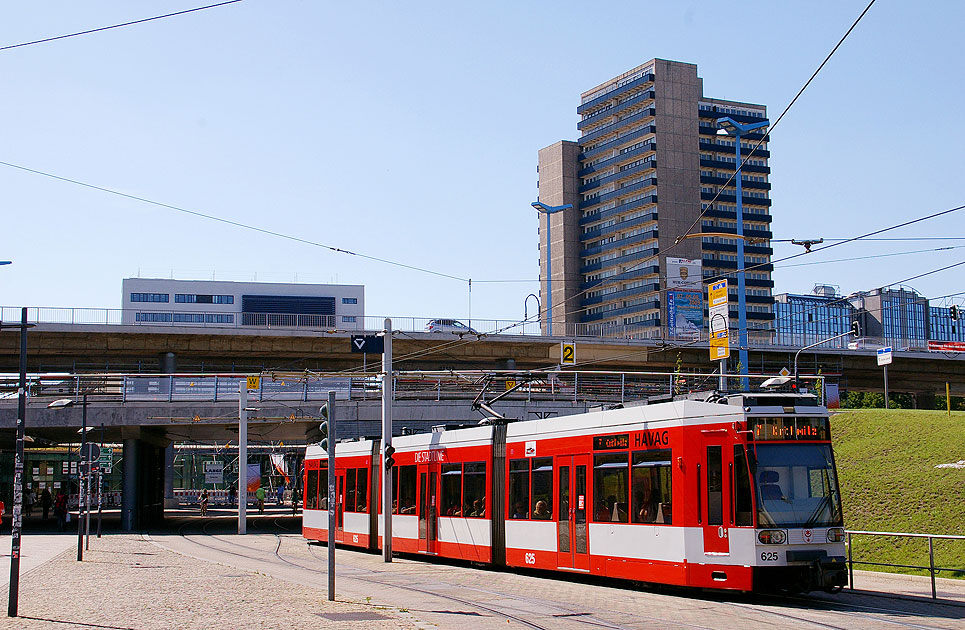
x: 652, y: 486
x: 406, y: 491
x: 362, y: 490
x: 542, y: 482
x: 322, y: 497
x: 474, y: 489
x: 349, y: 490
x: 610, y: 483
x: 743, y: 504
x: 451, y: 490
x: 518, y: 488
x: 311, y: 490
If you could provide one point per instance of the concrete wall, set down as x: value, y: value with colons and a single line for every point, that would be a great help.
x: 559, y: 185
x: 677, y: 92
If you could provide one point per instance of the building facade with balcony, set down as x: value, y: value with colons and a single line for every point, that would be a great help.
x: 258, y: 304
x: 648, y: 166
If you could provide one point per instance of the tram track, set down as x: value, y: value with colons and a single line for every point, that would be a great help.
x: 866, y: 615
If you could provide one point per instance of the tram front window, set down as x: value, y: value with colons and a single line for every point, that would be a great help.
x: 796, y: 486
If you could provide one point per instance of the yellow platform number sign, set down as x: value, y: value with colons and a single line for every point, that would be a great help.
x: 254, y: 382
x: 567, y: 353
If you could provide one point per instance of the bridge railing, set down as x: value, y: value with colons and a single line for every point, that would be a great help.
x: 477, y: 327
x: 591, y: 387
x: 931, y: 567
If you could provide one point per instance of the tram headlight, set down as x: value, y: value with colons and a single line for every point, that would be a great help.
x: 772, y: 536
x: 836, y: 535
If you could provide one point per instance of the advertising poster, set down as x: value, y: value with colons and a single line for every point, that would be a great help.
x: 685, y: 274
x: 254, y: 477
x: 685, y: 314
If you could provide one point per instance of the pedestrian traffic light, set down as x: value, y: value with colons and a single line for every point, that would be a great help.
x: 953, y: 312
x: 324, y: 426
x: 389, y: 452
x: 855, y: 329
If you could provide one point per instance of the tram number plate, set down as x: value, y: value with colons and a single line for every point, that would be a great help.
x: 355, y: 538
x: 769, y: 556
x: 530, y: 558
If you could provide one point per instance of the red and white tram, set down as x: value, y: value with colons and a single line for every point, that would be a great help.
x: 734, y: 491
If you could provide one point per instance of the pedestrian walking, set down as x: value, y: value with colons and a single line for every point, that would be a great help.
x: 232, y: 496
x: 281, y: 494
x: 45, y: 502
x: 28, y: 501
x: 203, y: 500
x: 260, y: 495
x: 60, y: 509
x: 294, y: 501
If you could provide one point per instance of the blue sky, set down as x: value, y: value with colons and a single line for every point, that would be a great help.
x: 409, y: 131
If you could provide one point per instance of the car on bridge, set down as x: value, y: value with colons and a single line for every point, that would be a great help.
x: 449, y: 326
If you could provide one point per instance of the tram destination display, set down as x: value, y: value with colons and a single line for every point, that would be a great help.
x: 611, y: 442
x: 766, y: 429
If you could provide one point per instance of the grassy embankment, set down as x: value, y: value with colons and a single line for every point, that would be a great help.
x: 886, y: 467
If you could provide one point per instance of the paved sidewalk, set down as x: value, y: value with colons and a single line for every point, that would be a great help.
x: 128, y: 583
x: 35, y: 550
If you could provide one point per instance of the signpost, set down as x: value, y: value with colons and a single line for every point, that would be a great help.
x: 213, y: 472
x: 884, y: 359
x: 719, y: 322
x: 567, y: 353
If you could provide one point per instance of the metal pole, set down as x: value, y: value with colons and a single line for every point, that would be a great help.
x: 16, y: 525
x: 100, y: 487
x: 850, y: 565
x: 386, y: 443
x: 948, y: 401
x: 331, y: 496
x: 741, y: 300
x: 549, y: 278
x: 242, y: 457
x: 931, y: 567
x: 722, y: 385
x: 87, y: 502
x: 80, y: 480
x: 886, y: 386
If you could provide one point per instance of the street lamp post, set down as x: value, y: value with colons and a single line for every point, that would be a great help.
x: 60, y: 404
x: 731, y: 127
x: 549, y: 210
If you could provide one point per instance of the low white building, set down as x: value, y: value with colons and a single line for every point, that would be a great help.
x: 215, y: 303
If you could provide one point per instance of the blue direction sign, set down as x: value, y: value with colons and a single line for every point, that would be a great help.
x: 370, y: 344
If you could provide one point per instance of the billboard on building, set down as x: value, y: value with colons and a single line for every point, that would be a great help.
x: 684, y: 273
x: 685, y: 314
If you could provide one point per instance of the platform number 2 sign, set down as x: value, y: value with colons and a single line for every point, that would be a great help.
x: 567, y: 353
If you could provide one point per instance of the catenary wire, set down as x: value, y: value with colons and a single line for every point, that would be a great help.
x: 232, y: 223
x: 107, y: 28
x: 455, y: 343
x: 779, y: 118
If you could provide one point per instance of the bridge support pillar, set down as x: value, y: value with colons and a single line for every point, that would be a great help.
x: 170, y: 501
x: 129, y: 498
x: 142, y: 500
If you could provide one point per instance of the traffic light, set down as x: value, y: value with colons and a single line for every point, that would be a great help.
x: 324, y: 426
x: 953, y: 312
x: 389, y: 452
x: 855, y: 329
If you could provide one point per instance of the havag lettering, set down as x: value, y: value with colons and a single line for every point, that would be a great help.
x: 651, y: 438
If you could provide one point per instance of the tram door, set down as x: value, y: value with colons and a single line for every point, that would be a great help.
x: 715, y: 492
x: 428, y: 507
x: 571, y: 528
x: 339, y: 504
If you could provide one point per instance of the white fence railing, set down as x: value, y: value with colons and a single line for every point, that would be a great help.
x: 475, y: 327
